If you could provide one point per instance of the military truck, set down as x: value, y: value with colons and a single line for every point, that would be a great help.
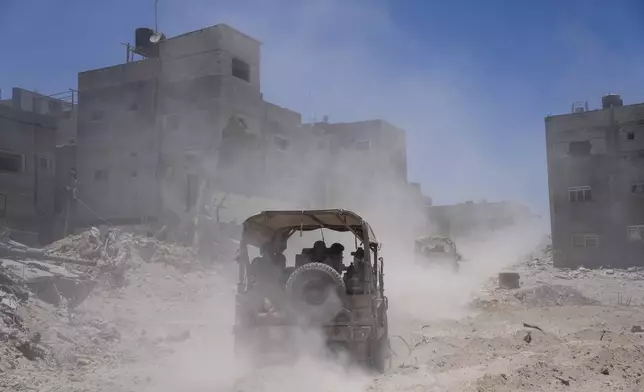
x: 437, y: 250
x: 277, y: 300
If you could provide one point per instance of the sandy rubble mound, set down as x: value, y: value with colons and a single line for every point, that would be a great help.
x: 54, y: 346
x: 117, y: 250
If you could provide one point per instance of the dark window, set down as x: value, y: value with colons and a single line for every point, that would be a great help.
x: 10, y: 162
x: 241, y: 69
x: 591, y: 241
x: 580, y: 194
x: 585, y: 240
x: 101, y: 175
x: 636, y: 233
x: 192, y: 189
x: 282, y: 143
x: 630, y: 135
x: 133, y: 107
x: 133, y: 173
x: 579, y: 148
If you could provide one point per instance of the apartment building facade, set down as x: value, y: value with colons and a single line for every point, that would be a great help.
x: 190, y: 115
x: 596, y: 184
x: 152, y: 132
x: 34, y: 170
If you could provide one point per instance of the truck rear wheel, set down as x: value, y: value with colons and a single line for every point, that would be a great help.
x: 316, y: 292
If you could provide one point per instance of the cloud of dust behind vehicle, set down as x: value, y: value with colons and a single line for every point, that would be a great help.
x: 343, y: 81
x: 418, y: 293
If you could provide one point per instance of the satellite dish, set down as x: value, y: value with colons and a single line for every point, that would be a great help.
x: 156, y: 37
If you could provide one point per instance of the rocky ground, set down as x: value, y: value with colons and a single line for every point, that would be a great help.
x: 562, y: 330
x: 162, y: 323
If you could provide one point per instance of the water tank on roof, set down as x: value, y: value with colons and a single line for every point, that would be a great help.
x: 143, y: 44
x: 612, y: 100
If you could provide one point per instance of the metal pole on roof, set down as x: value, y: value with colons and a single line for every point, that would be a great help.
x: 156, y: 15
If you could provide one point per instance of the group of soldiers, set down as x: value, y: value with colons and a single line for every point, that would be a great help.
x: 268, y: 272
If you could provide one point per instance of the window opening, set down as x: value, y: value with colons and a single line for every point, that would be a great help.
x: 636, y: 233
x: 11, y: 162
x: 579, y: 148
x: 580, y: 194
x: 241, y: 69
x: 585, y: 241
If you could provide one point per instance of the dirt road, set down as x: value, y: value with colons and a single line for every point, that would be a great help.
x: 169, y: 331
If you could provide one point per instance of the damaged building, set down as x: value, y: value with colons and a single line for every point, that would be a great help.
x: 596, y: 184
x: 182, y: 130
x: 37, y: 156
x: 184, y: 118
x: 189, y: 114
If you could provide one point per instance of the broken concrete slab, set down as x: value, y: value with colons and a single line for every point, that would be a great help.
x: 47, y: 281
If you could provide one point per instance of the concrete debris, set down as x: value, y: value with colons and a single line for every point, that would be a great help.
x: 585, y: 273
x: 637, y: 329
x: 541, y: 260
x: 8, y: 301
x: 31, y: 349
x: 29, y: 285
x: 553, y: 295
x: 48, y: 282
x: 116, y: 251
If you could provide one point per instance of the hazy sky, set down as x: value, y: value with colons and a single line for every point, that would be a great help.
x: 470, y: 81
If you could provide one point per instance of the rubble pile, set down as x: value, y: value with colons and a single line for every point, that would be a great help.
x: 116, y: 251
x: 43, y: 326
x: 552, y: 295
x: 35, y: 306
x: 539, y: 259
x: 632, y: 273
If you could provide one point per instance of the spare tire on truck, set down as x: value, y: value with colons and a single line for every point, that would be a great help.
x: 316, y: 293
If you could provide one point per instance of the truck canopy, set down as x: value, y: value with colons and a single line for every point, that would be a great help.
x: 262, y: 228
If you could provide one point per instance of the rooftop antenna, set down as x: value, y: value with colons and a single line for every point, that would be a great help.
x: 156, y: 37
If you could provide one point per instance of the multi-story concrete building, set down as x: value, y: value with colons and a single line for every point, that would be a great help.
x: 153, y: 132
x: 363, y: 166
x: 596, y: 184
x: 34, y: 167
x: 357, y: 158
x: 190, y: 116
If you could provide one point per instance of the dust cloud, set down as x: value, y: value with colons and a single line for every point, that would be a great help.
x: 342, y: 79
x: 421, y: 294
x: 417, y: 296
